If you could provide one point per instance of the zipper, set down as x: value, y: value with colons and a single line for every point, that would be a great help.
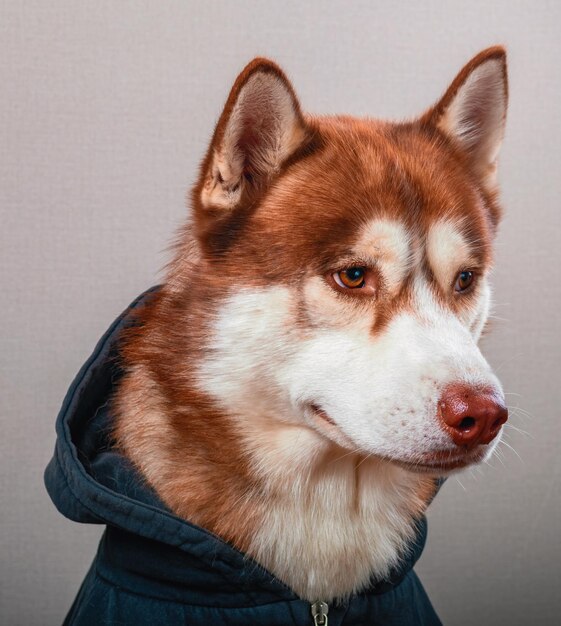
x: 319, y: 613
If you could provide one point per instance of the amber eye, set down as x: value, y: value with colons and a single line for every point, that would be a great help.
x: 465, y: 279
x: 351, y: 278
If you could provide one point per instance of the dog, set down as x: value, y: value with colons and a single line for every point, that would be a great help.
x: 309, y: 367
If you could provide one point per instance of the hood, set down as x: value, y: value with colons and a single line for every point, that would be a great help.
x: 91, y: 482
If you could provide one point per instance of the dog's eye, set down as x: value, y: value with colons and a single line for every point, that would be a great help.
x: 464, y: 280
x: 351, y: 278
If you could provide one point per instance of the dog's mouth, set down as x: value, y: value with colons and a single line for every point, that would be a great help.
x: 440, y: 462
x: 321, y: 414
x: 327, y: 427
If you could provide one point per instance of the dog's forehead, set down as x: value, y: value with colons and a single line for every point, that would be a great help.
x: 367, y: 170
x: 372, y: 191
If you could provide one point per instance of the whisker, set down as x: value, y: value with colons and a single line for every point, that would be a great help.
x: 349, y: 453
x: 499, y: 455
x: 508, y: 361
x: 511, y: 448
x: 518, y: 430
x: 520, y: 412
x: 494, y: 304
x: 460, y: 483
x: 497, y: 318
x: 364, y: 459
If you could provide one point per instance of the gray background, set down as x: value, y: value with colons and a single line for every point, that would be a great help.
x: 105, y: 111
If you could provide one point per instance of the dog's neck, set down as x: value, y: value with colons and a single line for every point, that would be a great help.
x: 334, y: 519
x: 324, y: 520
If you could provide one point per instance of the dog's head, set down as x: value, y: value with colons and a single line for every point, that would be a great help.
x: 344, y: 270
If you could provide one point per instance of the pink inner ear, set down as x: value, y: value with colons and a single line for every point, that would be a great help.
x: 262, y: 125
x: 478, y: 110
x: 473, y: 113
x: 255, y: 134
x: 472, y: 122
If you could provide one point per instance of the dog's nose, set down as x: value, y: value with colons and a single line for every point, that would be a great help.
x: 472, y: 416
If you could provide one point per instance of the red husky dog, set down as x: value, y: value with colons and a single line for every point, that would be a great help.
x: 310, y: 364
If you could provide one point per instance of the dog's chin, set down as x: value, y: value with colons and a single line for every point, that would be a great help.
x: 443, y: 463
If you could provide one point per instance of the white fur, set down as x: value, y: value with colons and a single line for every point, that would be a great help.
x: 448, y: 251
x: 328, y: 534
x: 387, y: 244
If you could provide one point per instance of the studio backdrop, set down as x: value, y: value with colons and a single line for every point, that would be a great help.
x: 106, y: 110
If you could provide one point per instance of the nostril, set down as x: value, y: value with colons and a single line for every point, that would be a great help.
x: 496, y: 425
x: 466, y: 424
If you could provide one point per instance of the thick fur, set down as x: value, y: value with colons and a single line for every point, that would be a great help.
x: 263, y: 400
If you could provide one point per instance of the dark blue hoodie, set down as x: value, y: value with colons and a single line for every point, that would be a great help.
x: 155, y: 568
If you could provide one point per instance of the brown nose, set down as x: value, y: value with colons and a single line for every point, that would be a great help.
x: 472, y: 416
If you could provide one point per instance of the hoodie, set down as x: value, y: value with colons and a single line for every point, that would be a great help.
x: 154, y: 568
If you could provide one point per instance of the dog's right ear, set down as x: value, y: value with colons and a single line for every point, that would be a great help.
x: 260, y: 128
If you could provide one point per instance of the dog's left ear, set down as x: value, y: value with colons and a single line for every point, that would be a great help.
x: 260, y: 128
x: 472, y: 112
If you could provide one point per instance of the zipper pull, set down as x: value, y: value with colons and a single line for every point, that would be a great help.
x: 319, y: 613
